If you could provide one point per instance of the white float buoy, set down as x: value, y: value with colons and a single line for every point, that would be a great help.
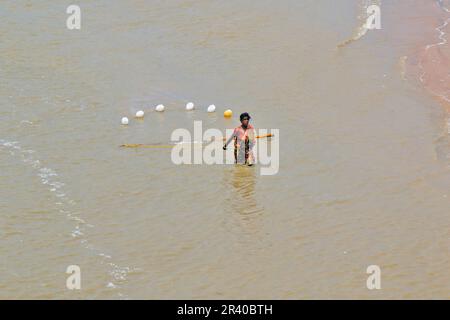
x: 140, y: 114
x: 189, y: 106
x: 159, y: 108
x: 124, y: 121
x: 212, y: 108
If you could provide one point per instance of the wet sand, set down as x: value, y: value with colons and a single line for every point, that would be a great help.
x: 429, y: 57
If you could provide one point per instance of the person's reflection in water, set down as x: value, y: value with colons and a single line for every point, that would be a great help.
x: 241, y: 200
x: 243, y: 183
x: 244, y: 216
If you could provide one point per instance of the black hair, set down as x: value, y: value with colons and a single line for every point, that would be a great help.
x: 244, y: 115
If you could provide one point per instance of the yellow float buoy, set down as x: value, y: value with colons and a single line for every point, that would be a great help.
x: 228, y: 113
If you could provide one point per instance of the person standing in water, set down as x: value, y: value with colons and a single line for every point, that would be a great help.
x: 244, y: 140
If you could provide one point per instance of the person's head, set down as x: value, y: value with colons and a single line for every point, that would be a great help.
x: 245, y: 118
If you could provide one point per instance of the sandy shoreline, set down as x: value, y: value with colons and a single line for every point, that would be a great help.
x: 429, y: 58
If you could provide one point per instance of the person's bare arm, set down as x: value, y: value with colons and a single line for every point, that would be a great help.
x: 228, y: 141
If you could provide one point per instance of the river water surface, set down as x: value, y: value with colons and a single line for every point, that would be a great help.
x: 364, y: 171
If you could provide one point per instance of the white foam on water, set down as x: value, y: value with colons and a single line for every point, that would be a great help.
x: 49, y: 179
x: 441, y: 4
x: 442, y: 40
